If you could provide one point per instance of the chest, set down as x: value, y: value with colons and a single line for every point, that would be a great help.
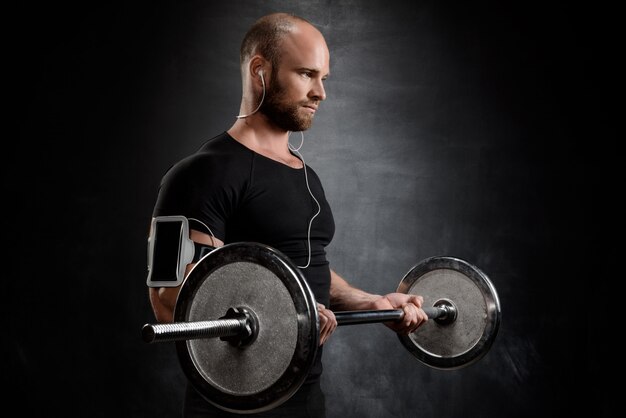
x: 279, y: 205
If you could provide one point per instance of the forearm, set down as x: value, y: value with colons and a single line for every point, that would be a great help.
x: 344, y: 297
x: 163, y: 302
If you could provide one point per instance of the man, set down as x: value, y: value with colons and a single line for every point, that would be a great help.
x: 247, y: 184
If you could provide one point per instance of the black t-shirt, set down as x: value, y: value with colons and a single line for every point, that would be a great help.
x: 244, y: 196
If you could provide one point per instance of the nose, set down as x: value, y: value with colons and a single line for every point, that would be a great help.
x: 317, y: 90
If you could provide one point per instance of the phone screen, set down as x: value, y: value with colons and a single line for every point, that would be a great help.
x: 166, y: 253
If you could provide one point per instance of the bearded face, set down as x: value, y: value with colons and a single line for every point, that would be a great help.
x: 284, y: 112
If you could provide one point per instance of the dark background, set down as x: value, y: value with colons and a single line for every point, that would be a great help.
x: 448, y: 130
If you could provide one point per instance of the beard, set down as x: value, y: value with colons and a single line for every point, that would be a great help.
x: 283, y: 113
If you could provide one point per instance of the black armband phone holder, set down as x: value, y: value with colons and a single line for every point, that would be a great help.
x: 170, y: 250
x: 200, y: 251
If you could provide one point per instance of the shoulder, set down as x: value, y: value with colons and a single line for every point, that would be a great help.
x: 220, y: 154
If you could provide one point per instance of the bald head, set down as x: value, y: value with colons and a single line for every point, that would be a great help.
x: 266, y: 35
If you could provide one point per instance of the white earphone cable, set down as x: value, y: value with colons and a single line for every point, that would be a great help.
x: 319, y: 208
x: 211, y: 236
x: 260, y: 103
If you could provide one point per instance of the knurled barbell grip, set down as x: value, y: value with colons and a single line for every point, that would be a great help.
x: 383, y: 315
x: 434, y: 312
x: 192, y: 330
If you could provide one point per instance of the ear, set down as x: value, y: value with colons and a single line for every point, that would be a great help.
x: 257, y: 66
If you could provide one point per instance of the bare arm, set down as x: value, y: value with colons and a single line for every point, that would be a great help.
x: 345, y: 297
x: 163, y: 299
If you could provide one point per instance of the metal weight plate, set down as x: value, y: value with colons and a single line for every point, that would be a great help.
x: 267, y: 372
x: 471, y: 335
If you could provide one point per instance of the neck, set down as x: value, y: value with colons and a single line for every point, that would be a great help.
x: 256, y: 132
x: 264, y: 138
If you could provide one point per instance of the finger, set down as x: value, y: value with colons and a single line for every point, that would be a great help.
x: 323, y: 328
x: 408, y: 315
x: 421, y: 319
x: 423, y: 316
x: 418, y: 318
x: 417, y: 300
x: 326, y: 332
x: 405, y: 324
x: 328, y: 324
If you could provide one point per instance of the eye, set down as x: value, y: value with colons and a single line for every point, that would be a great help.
x: 306, y: 74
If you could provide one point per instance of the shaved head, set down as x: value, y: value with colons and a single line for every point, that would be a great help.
x: 266, y: 35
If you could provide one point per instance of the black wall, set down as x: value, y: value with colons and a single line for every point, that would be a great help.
x: 448, y: 130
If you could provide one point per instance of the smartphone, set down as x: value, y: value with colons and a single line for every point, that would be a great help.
x: 169, y: 251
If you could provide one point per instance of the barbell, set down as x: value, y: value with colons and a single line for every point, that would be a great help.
x: 246, y: 325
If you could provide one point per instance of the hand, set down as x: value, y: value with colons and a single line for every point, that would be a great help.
x: 414, y: 316
x: 328, y: 322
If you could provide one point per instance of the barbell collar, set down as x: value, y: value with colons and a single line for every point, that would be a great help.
x: 247, y: 335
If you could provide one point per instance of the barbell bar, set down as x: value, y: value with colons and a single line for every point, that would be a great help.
x: 240, y: 326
